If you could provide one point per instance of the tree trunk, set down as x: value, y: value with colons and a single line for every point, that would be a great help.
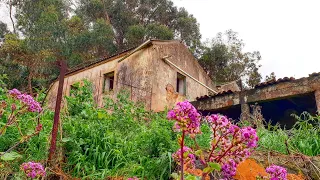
x: 10, y: 9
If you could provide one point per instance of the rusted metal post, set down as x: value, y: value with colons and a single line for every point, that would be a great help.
x: 63, y: 70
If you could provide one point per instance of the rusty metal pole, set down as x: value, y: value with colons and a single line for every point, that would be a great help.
x: 63, y: 70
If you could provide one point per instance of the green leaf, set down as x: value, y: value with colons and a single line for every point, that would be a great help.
x: 185, y: 154
x: 198, y: 152
x: 10, y: 156
x: 175, y: 176
x: 101, y: 115
x: 215, y: 166
x: 191, y: 177
x: 207, y: 169
x: 66, y: 139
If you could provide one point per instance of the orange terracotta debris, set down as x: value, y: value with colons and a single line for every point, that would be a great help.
x: 249, y: 170
x: 197, y: 172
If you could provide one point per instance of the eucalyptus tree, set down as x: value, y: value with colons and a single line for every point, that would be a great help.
x: 134, y: 21
x: 225, y: 60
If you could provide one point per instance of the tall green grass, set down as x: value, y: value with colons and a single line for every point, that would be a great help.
x: 303, y: 138
x: 122, y: 139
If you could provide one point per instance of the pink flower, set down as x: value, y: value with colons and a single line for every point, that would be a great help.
x: 186, y: 116
x: 14, y: 92
x: 277, y: 172
x: 33, y: 106
x: 249, y: 136
x: 33, y: 170
x: 229, y: 169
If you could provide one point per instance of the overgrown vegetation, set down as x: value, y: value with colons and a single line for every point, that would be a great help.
x: 123, y: 139
x: 303, y: 138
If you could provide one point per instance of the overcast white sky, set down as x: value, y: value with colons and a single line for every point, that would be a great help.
x: 286, y: 32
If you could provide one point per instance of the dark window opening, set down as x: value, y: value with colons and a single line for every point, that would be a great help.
x: 74, y: 89
x: 181, y: 84
x: 108, y: 82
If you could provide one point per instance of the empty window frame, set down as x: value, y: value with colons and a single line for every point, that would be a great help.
x: 181, y: 84
x: 74, y: 89
x: 108, y: 82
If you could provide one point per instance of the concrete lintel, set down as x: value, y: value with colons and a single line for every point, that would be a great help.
x: 271, y: 92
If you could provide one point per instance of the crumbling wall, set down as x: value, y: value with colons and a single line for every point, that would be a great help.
x: 93, y: 74
x: 165, y: 76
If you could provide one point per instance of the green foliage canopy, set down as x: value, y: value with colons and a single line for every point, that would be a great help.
x: 225, y: 60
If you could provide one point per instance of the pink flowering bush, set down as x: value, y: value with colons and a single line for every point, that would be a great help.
x: 229, y: 143
x: 276, y: 172
x: 33, y: 170
x: 16, y: 110
x: 27, y: 100
x: 20, y: 103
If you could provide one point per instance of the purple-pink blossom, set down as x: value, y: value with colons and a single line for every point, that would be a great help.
x: 249, y: 136
x: 229, y: 141
x: 33, y: 105
x: 186, y: 116
x: 277, y: 172
x: 14, y: 92
x: 229, y: 169
x: 33, y: 170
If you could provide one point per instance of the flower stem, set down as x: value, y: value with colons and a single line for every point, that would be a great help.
x: 181, y: 158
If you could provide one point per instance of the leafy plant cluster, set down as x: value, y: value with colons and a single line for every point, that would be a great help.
x: 303, y: 138
x: 121, y: 139
x: 24, y: 133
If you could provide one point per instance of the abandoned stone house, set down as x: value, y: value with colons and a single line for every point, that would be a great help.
x: 157, y: 73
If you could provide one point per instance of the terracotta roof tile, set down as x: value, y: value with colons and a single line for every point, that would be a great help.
x: 222, y: 93
x: 273, y: 81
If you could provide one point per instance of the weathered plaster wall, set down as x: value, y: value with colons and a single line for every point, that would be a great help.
x: 135, y: 75
x: 145, y: 75
x: 94, y: 75
x: 165, y: 76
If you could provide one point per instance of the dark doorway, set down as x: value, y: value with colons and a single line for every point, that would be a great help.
x: 281, y: 110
